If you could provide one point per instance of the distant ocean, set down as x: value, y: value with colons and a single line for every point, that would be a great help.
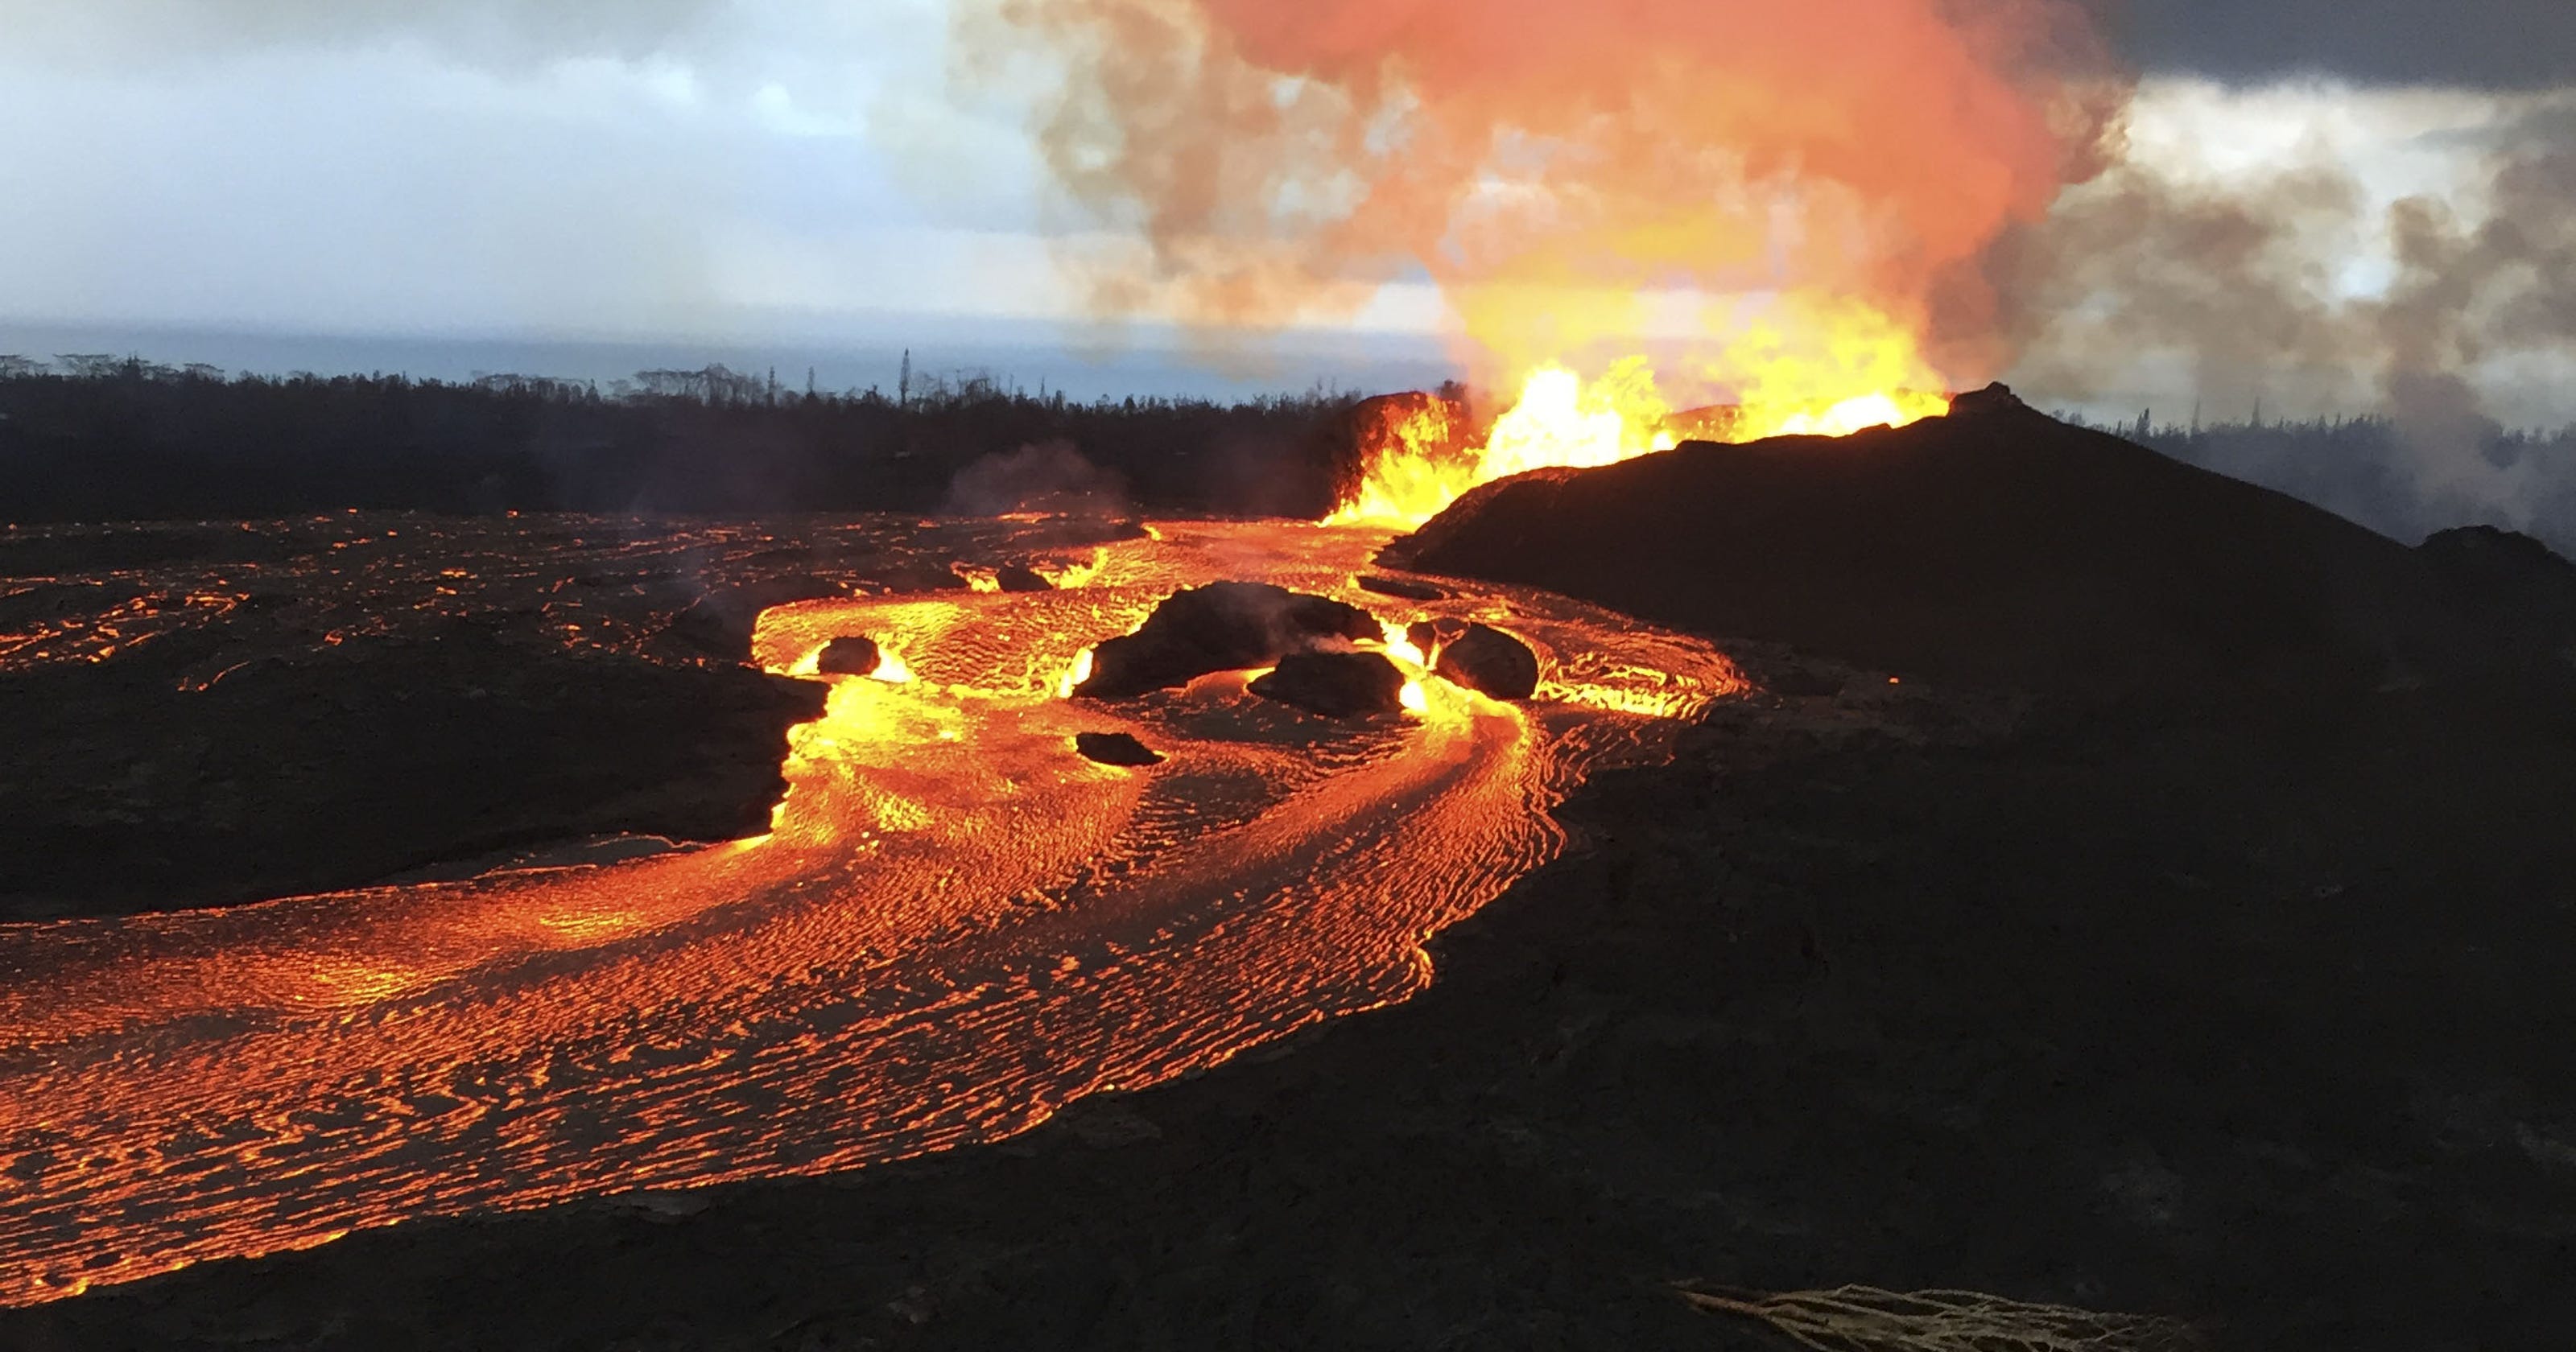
x: 1027, y: 357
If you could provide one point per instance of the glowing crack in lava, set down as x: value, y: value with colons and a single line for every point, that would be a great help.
x: 956, y: 926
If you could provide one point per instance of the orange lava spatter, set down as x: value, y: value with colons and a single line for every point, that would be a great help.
x: 955, y: 926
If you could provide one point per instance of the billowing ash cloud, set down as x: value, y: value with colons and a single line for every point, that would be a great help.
x: 120, y: 32
x: 1549, y: 163
x: 2475, y: 44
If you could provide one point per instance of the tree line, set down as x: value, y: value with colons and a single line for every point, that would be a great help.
x: 2402, y: 481
x: 98, y: 437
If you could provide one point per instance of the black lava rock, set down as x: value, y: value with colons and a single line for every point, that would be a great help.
x: 719, y: 624
x: 1225, y: 626
x: 1116, y: 748
x: 1015, y: 578
x: 1396, y: 586
x: 1995, y: 398
x: 1488, y: 660
x: 1428, y: 635
x: 920, y: 575
x: 852, y: 655
x: 1336, y: 685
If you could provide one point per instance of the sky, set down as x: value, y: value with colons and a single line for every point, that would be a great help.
x: 776, y: 176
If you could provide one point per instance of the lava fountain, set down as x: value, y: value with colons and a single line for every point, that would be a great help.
x: 1776, y: 219
x: 1852, y: 369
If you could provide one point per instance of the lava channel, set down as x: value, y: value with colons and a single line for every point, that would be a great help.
x: 956, y: 926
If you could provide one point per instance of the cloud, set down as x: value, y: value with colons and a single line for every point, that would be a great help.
x: 2477, y: 44
x: 120, y: 33
x: 2248, y: 285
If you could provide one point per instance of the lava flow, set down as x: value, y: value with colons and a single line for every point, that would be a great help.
x: 956, y: 926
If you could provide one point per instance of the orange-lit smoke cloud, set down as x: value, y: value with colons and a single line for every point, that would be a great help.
x: 1553, y: 164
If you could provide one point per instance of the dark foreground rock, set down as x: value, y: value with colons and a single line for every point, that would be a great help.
x: 1999, y: 547
x: 2513, y: 582
x: 308, y: 772
x: 850, y: 655
x: 1488, y: 660
x: 719, y: 624
x: 2262, y: 1022
x: 1336, y: 685
x: 1116, y: 748
x: 1224, y: 626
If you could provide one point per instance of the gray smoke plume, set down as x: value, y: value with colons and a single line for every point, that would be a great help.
x: 1046, y: 476
x: 2240, y: 286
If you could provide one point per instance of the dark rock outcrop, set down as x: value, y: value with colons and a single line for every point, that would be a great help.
x: 719, y: 624
x: 1224, y: 626
x: 1019, y: 579
x: 1428, y: 635
x: 1999, y: 547
x: 1994, y: 398
x: 2516, y: 584
x: 850, y: 655
x: 1487, y: 660
x: 1116, y: 748
x: 1336, y: 685
x: 1403, y: 587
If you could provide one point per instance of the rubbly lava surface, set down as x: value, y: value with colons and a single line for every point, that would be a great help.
x: 956, y: 925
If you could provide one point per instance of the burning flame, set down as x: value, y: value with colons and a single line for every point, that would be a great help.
x: 890, y: 669
x: 1821, y: 368
x: 1559, y: 420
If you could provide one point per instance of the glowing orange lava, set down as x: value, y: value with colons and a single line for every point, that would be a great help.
x: 1815, y: 368
x: 955, y: 926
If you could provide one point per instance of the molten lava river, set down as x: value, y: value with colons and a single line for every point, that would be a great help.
x: 956, y: 926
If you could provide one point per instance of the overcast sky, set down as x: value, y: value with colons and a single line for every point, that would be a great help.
x: 785, y: 169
